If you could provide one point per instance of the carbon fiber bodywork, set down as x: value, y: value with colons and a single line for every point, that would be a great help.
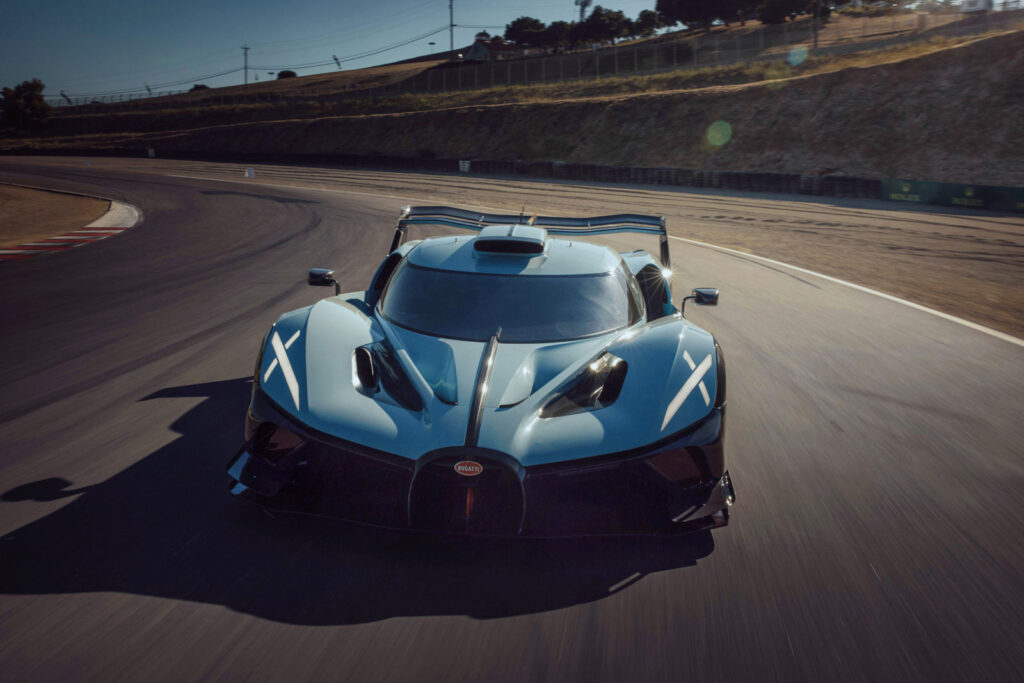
x: 618, y: 493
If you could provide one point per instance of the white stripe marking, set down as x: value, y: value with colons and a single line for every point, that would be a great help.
x: 701, y: 386
x: 686, y: 390
x: 286, y: 367
x: 270, y: 369
x: 860, y: 288
x: 273, y: 363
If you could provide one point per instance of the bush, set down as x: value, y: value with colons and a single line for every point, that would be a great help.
x: 24, y: 107
x: 285, y: 74
x: 199, y: 86
x: 777, y: 11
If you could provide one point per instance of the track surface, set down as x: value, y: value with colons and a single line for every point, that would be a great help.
x: 876, y: 450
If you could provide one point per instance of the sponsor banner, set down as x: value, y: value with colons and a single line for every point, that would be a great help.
x: 954, y: 194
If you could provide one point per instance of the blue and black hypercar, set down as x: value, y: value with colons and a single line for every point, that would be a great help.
x: 507, y: 382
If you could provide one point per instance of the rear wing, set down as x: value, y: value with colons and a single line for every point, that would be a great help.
x: 554, y: 225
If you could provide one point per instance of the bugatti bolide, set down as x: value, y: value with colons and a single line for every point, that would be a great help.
x: 514, y: 380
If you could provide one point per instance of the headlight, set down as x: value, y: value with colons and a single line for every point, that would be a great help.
x: 271, y: 441
x: 596, y: 386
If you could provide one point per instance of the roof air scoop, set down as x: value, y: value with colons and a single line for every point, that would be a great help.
x: 511, y: 239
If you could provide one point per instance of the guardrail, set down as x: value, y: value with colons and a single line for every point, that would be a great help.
x: 1008, y: 199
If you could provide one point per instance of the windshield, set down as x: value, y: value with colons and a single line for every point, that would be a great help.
x: 527, y: 308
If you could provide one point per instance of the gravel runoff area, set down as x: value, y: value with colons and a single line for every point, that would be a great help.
x: 27, y: 215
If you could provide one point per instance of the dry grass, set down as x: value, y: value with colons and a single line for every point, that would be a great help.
x: 209, y: 114
x: 911, y: 112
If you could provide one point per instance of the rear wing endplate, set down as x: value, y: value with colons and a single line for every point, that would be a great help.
x: 554, y: 225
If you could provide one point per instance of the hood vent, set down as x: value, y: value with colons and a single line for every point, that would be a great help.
x: 511, y: 239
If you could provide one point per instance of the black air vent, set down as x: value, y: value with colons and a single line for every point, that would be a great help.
x: 509, y: 246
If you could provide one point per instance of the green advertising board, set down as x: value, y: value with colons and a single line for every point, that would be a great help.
x: 954, y: 194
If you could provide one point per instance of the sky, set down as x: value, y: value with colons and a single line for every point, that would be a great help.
x: 90, y: 48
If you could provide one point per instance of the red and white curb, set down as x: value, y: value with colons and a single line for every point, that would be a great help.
x: 119, y: 218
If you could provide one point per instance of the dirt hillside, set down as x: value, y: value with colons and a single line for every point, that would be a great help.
x: 956, y: 115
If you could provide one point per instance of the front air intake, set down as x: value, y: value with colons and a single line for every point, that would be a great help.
x: 511, y: 239
x: 509, y: 247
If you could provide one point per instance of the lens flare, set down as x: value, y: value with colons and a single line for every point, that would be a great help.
x: 719, y: 133
x: 797, y: 55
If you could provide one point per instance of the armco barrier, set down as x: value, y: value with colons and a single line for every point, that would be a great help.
x: 914, y: 191
x: 954, y: 194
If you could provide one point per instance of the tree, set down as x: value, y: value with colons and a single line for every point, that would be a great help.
x: 24, y: 106
x: 287, y: 73
x: 647, y: 22
x: 693, y: 13
x: 524, y: 30
x: 558, y: 33
x: 777, y: 11
x: 701, y: 13
x: 605, y: 25
x: 199, y: 86
x: 483, y: 35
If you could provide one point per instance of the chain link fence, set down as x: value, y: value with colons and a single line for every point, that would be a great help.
x: 791, y: 41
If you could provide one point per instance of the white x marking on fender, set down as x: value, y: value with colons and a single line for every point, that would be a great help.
x: 695, y: 380
x: 281, y: 351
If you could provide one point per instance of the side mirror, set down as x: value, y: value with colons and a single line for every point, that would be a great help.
x: 365, y: 369
x: 323, y: 277
x: 702, y: 296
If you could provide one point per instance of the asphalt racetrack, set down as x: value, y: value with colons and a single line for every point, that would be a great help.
x: 877, y: 453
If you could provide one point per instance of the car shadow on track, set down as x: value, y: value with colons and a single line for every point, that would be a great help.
x: 167, y: 527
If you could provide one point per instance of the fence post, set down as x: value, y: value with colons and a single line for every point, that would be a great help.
x: 615, y: 54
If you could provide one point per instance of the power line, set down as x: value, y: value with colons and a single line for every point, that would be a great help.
x: 161, y: 86
x: 245, y: 67
x: 361, y: 55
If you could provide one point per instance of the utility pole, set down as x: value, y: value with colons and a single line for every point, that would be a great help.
x: 583, y: 5
x: 817, y: 18
x: 245, y: 50
x: 451, y: 28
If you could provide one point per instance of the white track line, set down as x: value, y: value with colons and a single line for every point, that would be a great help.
x: 867, y: 290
